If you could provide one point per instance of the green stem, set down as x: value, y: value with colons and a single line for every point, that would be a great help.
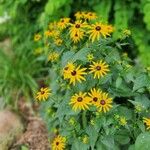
x: 84, y: 119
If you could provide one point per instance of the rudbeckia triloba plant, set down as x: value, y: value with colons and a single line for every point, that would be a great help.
x: 97, y: 98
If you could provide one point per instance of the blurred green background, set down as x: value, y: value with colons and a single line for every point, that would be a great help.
x: 20, y: 19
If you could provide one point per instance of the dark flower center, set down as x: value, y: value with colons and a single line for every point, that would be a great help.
x: 98, y: 68
x: 57, y: 143
x: 62, y: 20
x: 90, y: 14
x: 42, y: 92
x: 95, y: 99
x: 79, y: 99
x: 98, y: 28
x: 74, y: 73
x: 76, y: 35
x: 77, y: 26
x: 102, y: 102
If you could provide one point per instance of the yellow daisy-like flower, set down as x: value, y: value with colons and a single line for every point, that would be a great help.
x: 53, y: 56
x: 79, y: 15
x: 63, y: 23
x: 99, y: 69
x: 37, y: 37
x: 52, y: 25
x: 90, y: 16
x: 77, y: 27
x: 76, y: 37
x: 122, y: 121
x: 90, y: 57
x: 43, y: 94
x: 105, y: 103
x: 95, y: 96
x: 56, y: 34
x: 147, y: 122
x: 48, y: 33
x: 68, y: 68
x: 97, y: 30
x: 108, y: 28
x: 76, y: 74
x: 58, y: 41
x: 59, y: 143
x: 80, y: 101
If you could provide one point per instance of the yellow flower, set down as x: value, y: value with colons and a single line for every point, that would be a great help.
x: 95, y: 96
x: 77, y: 27
x: 99, y: 69
x: 37, y: 37
x: 43, y: 94
x: 97, y: 30
x: 122, y: 121
x: 63, y: 23
x: 52, y: 25
x: 56, y: 34
x: 90, y: 57
x: 108, y: 28
x: 85, y: 139
x: 38, y: 51
x: 76, y: 74
x: 80, y: 101
x: 53, y: 56
x: 79, y: 15
x: 147, y: 122
x: 59, y: 143
x: 48, y: 33
x: 58, y: 41
x: 77, y: 36
x: 90, y: 16
x: 68, y: 68
x: 104, y: 104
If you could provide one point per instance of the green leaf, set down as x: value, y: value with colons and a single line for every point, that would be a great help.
x: 24, y: 148
x: 93, y: 135
x: 122, y: 139
x: 141, y: 81
x: 81, y: 55
x: 78, y: 145
x: 118, y: 82
x: 143, y: 141
x: 67, y: 56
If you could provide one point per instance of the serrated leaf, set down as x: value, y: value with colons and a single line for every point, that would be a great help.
x: 81, y: 55
x: 67, y: 56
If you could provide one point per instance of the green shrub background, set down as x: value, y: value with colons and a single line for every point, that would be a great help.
x: 127, y: 14
x: 30, y: 16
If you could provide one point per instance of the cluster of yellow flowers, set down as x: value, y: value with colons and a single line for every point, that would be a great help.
x: 74, y: 74
x: 87, y: 26
x: 82, y: 27
x: 95, y: 97
x: 53, y: 56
